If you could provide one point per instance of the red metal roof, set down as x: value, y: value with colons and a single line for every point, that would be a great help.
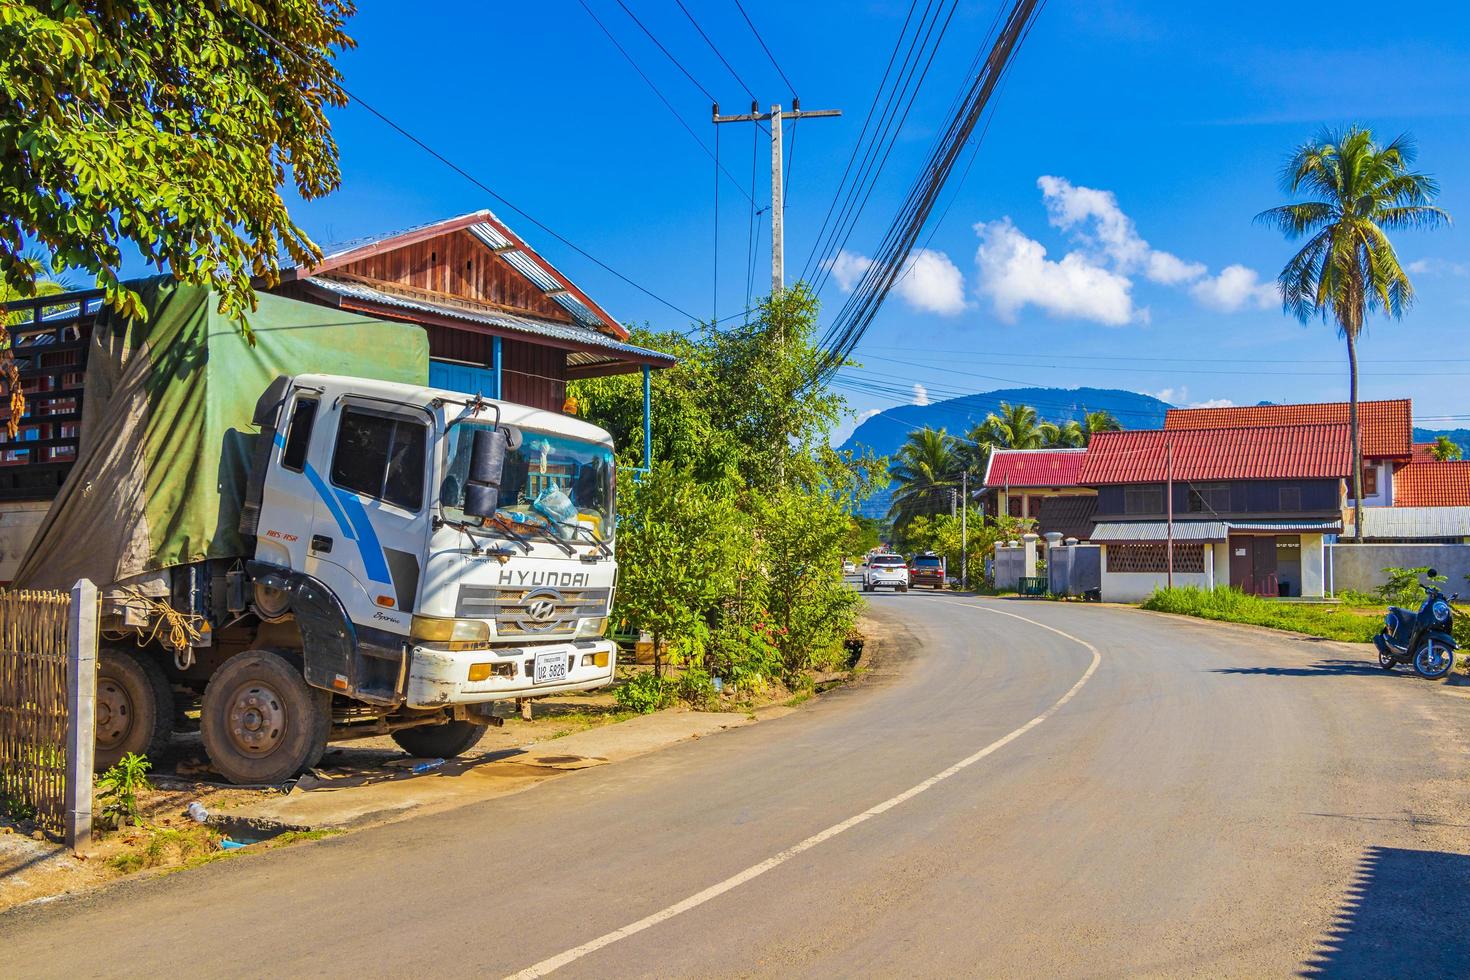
x: 1033, y: 467
x: 1432, y: 483
x: 1268, y: 452
x: 1386, y: 425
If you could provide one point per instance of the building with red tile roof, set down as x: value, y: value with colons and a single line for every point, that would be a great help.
x: 1017, y: 481
x: 1387, y: 426
x: 1268, y: 452
x: 1428, y: 482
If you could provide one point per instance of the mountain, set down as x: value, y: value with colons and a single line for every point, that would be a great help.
x: 1460, y: 437
x: 884, y: 433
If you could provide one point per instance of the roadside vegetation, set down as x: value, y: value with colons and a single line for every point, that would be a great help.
x: 730, y: 545
x: 1355, y: 618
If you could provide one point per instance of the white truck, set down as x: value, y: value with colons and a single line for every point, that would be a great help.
x: 381, y: 557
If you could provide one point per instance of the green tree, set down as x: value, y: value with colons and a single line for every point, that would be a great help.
x: 165, y: 127
x: 1359, y: 191
x: 1014, y: 427
x: 1445, y: 448
x: 678, y: 542
x: 926, y: 469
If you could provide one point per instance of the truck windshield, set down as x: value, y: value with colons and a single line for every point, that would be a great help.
x: 541, y: 478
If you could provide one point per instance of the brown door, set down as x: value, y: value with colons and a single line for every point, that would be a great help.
x: 1241, y: 564
x: 1264, y: 565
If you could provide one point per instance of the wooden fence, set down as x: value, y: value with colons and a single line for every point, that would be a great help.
x: 33, y: 705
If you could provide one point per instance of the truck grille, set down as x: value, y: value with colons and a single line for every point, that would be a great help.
x: 531, y: 611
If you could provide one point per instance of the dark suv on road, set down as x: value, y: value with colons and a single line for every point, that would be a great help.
x: 927, y: 569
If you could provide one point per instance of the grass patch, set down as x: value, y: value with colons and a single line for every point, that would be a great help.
x: 1332, y: 622
x: 800, y: 698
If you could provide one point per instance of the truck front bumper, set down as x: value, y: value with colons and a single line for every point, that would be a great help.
x: 441, y: 677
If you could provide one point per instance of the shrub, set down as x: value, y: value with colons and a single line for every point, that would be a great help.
x: 119, y: 788
x: 645, y: 693
x: 1403, y: 588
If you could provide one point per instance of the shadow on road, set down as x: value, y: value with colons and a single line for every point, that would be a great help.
x: 1323, y: 668
x: 1402, y: 917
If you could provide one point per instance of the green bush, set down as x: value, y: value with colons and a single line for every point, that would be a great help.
x: 119, y: 787
x: 645, y: 693
x: 1230, y: 606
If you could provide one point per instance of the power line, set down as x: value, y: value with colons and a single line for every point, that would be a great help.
x: 656, y: 91
x: 474, y: 180
x: 715, y: 49
x: 667, y: 54
x: 790, y: 87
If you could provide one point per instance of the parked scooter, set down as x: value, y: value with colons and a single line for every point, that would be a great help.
x: 1424, y: 639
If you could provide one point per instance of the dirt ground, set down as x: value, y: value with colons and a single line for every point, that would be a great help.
x: 369, y: 781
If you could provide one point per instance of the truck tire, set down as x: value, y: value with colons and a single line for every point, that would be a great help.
x: 440, y: 741
x: 260, y: 721
x: 135, y: 707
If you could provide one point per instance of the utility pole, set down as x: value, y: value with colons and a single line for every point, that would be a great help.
x: 964, y: 530
x: 778, y: 204
x: 1169, y: 494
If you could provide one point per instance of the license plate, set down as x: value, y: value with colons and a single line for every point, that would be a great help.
x: 550, y: 667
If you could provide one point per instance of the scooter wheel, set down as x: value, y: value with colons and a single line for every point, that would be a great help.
x: 1386, y: 661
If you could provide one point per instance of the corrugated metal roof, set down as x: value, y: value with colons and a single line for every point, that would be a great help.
x: 1279, y: 452
x: 1206, y: 530
x: 1428, y: 482
x: 1404, y: 523
x: 1033, y: 467
x: 1386, y: 425
x: 1159, y: 531
x: 494, y: 318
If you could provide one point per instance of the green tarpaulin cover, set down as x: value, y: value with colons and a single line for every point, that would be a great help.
x: 166, y: 437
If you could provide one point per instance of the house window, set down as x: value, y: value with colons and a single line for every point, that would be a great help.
x: 380, y: 456
x: 1153, y: 559
x: 1289, y: 499
x: 1209, y: 498
x: 1143, y: 500
x: 1013, y: 506
x: 1370, y: 481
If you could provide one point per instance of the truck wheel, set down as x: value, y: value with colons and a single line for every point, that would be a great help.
x: 135, y: 707
x: 260, y: 721
x: 440, y: 741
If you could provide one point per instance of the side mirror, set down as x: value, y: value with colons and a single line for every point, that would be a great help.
x: 1433, y: 573
x: 487, y: 463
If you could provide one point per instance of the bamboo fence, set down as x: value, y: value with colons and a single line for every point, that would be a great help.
x: 33, y: 705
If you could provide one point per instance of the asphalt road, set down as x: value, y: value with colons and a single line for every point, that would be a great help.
x: 1116, y: 793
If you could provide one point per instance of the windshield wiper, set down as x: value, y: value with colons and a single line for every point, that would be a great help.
x: 476, y: 531
x: 551, y: 536
x: 591, y: 536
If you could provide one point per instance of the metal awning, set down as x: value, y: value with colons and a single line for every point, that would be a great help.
x: 589, y: 349
x: 1106, y: 531
x: 1206, y: 530
x: 1407, y: 523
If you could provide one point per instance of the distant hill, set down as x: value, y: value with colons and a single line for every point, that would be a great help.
x: 1460, y: 437
x: 885, y: 433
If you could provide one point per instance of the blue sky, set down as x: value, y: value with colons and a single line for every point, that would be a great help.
x: 1104, y: 236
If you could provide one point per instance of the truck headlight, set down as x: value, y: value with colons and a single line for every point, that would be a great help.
x: 592, y: 627
x: 460, y: 634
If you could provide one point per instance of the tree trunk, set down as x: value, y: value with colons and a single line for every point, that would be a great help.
x: 1352, y: 342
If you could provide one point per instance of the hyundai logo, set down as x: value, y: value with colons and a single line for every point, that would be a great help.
x: 541, y: 610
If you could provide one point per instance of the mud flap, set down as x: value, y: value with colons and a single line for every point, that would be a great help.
x: 337, y: 655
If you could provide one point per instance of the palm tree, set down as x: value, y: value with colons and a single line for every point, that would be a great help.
x: 1014, y: 427
x: 1445, y: 448
x: 1348, y: 268
x: 926, y: 468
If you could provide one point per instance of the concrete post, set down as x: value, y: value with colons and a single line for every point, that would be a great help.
x: 1056, y: 577
x: 1029, y: 544
x: 81, y: 711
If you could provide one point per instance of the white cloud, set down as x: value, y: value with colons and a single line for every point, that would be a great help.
x: 1236, y: 287
x: 1172, y: 395
x: 848, y: 268
x: 866, y: 414
x: 1437, y: 267
x: 921, y: 394
x: 930, y: 282
x: 1015, y: 273
x: 1214, y: 403
x: 1094, y: 218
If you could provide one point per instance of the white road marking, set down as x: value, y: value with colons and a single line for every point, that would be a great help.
x: 756, y: 870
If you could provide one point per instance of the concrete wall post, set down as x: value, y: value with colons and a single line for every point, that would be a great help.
x: 81, y: 705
